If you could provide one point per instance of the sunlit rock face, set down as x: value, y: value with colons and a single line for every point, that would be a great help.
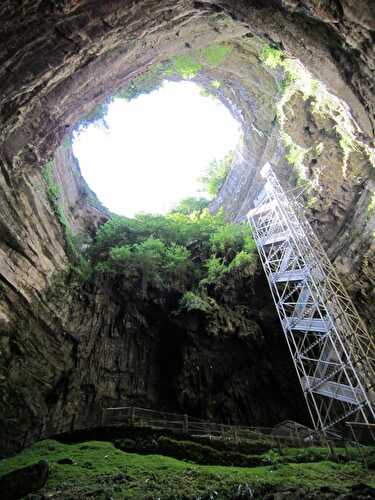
x: 63, y: 357
x: 339, y: 191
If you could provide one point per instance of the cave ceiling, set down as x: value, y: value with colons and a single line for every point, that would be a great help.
x: 59, y: 60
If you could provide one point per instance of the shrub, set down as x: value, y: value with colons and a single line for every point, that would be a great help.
x: 120, y: 254
x: 242, y: 260
x: 144, y: 83
x: 151, y: 258
x: 53, y: 190
x: 215, y: 269
x: 192, y: 301
x: 272, y: 458
x: 229, y: 238
x: 215, y: 54
x: 187, y: 66
x: 295, y: 155
x: 271, y: 56
x: 187, y: 206
x: 205, y: 93
x: 184, y: 252
x: 371, y: 205
x: 216, y: 173
x: 96, y: 116
x: 110, y: 234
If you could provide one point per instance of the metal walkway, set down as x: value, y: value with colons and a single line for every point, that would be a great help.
x: 332, y: 351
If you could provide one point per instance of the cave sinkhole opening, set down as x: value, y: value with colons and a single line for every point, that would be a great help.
x: 149, y: 153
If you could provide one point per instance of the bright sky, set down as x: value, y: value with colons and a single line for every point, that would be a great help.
x: 155, y: 148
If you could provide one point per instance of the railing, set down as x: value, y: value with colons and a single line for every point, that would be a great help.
x: 287, y: 434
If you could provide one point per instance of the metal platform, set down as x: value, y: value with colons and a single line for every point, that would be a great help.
x: 333, y: 353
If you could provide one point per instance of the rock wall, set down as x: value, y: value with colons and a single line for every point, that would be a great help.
x: 61, y: 357
x: 67, y: 352
x: 340, y: 190
x: 109, y: 344
x: 84, y: 212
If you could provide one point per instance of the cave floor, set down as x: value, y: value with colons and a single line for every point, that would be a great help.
x: 99, y: 470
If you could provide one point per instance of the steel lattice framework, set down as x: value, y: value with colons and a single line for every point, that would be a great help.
x: 332, y: 351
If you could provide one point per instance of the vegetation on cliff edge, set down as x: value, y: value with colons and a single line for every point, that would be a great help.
x: 184, y: 251
x: 184, y: 66
x: 216, y: 173
x: 293, y: 78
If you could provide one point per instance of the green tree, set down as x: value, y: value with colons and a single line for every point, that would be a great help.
x: 216, y: 173
x: 187, y: 206
x: 179, y: 251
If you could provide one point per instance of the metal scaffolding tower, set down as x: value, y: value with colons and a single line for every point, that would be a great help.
x: 332, y: 351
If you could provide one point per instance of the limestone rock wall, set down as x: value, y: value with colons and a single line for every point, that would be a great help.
x: 83, y: 210
x: 61, y: 359
x: 338, y: 200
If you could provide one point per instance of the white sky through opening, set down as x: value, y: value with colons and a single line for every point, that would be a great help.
x: 155, y: 148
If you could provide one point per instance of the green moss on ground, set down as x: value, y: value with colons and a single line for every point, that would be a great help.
x: 208, y: 452
x: 102, y: 471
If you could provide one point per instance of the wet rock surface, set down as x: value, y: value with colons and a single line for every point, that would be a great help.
x: 61, y: 361
x: 123, y: 348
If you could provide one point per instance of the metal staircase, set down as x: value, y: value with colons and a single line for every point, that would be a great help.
x: 332, y: 351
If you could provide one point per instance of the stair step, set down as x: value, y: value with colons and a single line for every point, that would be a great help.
x: 334, y: 390
x: 296, y: 275
x: 265, y: 207
x: 274, y: 238
x: 312, y: 325
x: 320, y: 322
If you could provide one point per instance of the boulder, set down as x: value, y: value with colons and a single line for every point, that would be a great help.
x: 21, y: 482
